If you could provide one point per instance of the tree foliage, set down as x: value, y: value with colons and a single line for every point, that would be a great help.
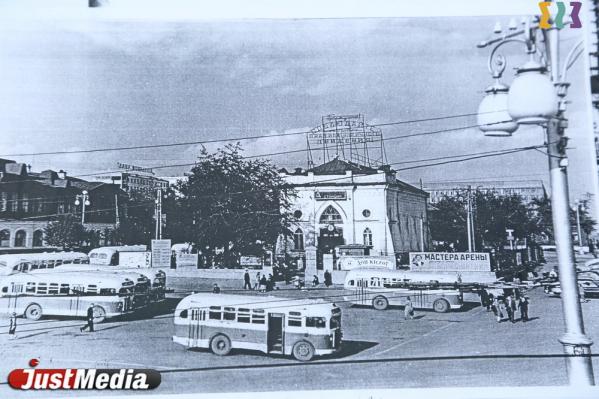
x: 229, y: 205
x: 137, y: 226
x: 66, y: 232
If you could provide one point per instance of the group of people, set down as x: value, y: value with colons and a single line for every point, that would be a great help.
x: 503, y: 306
x: 261, y: 283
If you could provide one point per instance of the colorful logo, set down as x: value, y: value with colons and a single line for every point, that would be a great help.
x: 42, y: 379
x: 558, y: 21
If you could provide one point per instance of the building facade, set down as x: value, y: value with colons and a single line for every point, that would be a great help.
x: 135, y: 180
x: 527, y: 189
x: 340, y: 203
x: 30, y: 200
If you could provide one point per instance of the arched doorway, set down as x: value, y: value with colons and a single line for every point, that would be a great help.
x: 4, y: 238
x: 330, y: 234
x: 38, y: 238
x: 20, y: 238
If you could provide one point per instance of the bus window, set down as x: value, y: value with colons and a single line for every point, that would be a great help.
x: 258, y: 316
x: 64, y: 289
x: 77, y: 289
x: 4, y: 290
x: 53, y: 288
x: 243, y: 315
x: 183, y: 313
x: 92, y: 289
x: 42, y: 288
x: 229, y: 314
x: 24, y: 266
x: 30, y: 288
x: 294, y: 321
x: 351, y: 282
x: 318, y: 322
x: 215, y: 313
x: 58, y: 262
x: 335, y: 321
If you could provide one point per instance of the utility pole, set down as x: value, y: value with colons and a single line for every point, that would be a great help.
x: 469, y: 220
x: 158, y: 214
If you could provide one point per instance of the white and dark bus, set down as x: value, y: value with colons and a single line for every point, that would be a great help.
x: 34, y: 295
x: 381, y: 288
x: 302, y: 328
x: 15, y: 263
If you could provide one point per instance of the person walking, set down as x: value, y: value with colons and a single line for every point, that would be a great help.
x: 497, y: 309
x: 328, y: 281
x: 592, y: 248
x: 90, y: 319
x: 315, y: 281
x: 12, y: 329
x: 510, y: 307
x: 408, y: 310
x: 257, y: 282
x: 216, y: 289
x: 247, y: 285
x: 524, y: 308
x: 263, y: 283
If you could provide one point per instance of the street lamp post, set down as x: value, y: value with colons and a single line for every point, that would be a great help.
x: 83, y: 200
x: 537, y: 98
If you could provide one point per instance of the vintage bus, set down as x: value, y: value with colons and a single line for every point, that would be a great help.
x: 128, y: 257
x: 380, y: 288
x: 59, y: 294
x: 15, y: 263
x: 302, y: 328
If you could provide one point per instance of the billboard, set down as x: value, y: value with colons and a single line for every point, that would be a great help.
x: 161, y: 253
x: 450, y: 261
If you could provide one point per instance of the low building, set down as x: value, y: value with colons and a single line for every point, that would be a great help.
x: 30, y: 200
x: 527, y: 189
x: 341, y: 203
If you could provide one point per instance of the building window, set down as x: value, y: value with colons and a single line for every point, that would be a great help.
x: 366, y: 213
x: 367, y: 237
x: 38, y: 238
x: 4, y: 238
x: 298, y: 240
x: 20, y: 238
x: 330, y: 216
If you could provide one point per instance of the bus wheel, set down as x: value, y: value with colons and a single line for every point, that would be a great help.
x: 99, y: 314
x: 380, y: 303
x: 441, y: 306
x: 220, y: 345
x: 33, y: 312
x: 303, y: 351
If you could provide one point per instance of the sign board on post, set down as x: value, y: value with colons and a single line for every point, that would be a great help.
x: 161, y: 253
x: 187, y: 260
x: 450, y: 261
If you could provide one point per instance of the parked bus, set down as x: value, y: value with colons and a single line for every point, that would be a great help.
x: 302, y: 328
x: 127, y: 257
x: 15, y: 263
x: 56, y: 294
x: 380, y: 288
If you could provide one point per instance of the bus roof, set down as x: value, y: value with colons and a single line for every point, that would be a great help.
x: 443, y: 277
x: 277, y: 304
x: 85, y: 268
x: 120, y: 248
x: 67, y: 278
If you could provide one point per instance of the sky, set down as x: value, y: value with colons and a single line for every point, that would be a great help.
x: 73, y: 78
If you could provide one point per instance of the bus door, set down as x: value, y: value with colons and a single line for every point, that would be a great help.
x: 274, y: 338
x: 16, y: 290
x: 75, y: 304
x: 195, y: 326
x: 420, y: 299
x: 360, y: 292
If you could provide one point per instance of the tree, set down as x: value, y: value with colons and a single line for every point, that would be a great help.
x: 66, y: 232
x: 138, y: 224
x: 543, y: 218
x: 229, y: 205
x: 492, y: 214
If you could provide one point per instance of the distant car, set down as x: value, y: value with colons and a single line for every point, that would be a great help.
x: 548, y: 247
x: 589, y: 285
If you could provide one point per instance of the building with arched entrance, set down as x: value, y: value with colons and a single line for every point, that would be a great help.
x: 341, y: 203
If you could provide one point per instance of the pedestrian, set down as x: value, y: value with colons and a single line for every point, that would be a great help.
x: 263, y: 283
x: 524, y: 308
x: 90, y: 319
x: 408, y: 310
x: 216, y: 289
x: 247, y: 285
x: 257, y: 282
x: 592, y: 248
x: 484, y: 299
x: 328, y: 281
x: 12, y: 329
x: 553, y: 273
x: 315, y: 281
x: 510, y: 307
x: 497, y: 309
x: 270, y: 284
x: 581, y: 294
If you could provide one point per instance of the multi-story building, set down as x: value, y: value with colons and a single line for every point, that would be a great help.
x: 341, y: 203
x: 135, y: 180
x: 527, y: 189
x: 30, y: 200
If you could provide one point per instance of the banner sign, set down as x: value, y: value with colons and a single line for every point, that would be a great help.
x: 187, y: 260
x: 250, y: 261
x: 161, y: 253
x: 357, y: 262
x: 450, y: 261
